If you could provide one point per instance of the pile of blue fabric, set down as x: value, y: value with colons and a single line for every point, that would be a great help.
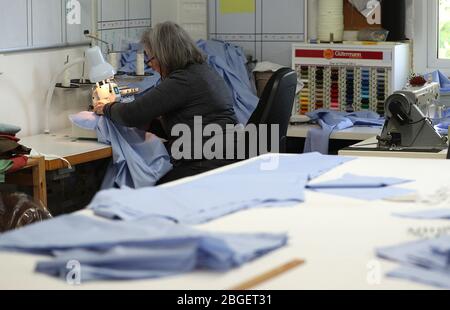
x: 139, y: 159
x: 426, y: 261
x: 147, y: 248
x: 230, y: 62
x: 267, y: 181
x: 318, y: 139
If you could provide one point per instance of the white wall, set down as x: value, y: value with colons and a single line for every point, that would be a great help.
x: 23, y: 88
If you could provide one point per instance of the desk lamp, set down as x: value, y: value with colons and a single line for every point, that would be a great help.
x: 99, y: 72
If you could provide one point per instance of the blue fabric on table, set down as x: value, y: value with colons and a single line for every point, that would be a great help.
x: 426, y: 261
x: 318, y: 139
x: 266, y: 181
x: 369, y: 194
x: 147, y: 248
x: 138, y: 161
x: 229, y: 61
x: 362, y: 187
x: 200, y: 201
x: 421, y: 275
x: 349, y: 180
x: 430, y: 214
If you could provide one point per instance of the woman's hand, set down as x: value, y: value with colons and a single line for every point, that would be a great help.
x: 99, y: 105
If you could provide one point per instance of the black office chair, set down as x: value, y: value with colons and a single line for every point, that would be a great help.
x: 275, y: 105
x: 448, y: 152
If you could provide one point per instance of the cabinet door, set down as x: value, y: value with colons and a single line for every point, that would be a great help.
x: 46, y: 22
x: 13, y: 24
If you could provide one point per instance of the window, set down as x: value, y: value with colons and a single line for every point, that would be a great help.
x: 439, y: 34
x: 444, y: 29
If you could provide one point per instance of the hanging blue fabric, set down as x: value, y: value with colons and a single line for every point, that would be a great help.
x: 129, y: 57
x: 139, y: 159
x: 441, y: 78
x: 230, y: 62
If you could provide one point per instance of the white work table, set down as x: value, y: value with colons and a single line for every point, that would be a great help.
x: 336, y: 237
x: 357, y: 133
x: 62, y: 144
x: 366, y: 148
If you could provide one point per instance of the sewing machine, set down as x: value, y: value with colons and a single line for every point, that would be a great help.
x: 105, y: 90
x: 407, y: 126
x: 109, y: 90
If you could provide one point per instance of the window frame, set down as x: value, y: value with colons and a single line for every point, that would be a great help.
x: 433, y: 28
x: 426, y: 38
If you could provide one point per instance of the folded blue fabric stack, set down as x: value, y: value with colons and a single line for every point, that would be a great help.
x: 137, y: 161
x: 230, y: 62
x: 362, y: 187
x: 426, y: 261
x: 147, y: 248
x: 318, y: 140
x: 274, y: 180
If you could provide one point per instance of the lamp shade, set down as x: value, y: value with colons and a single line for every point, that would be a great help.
x: 99, y: 69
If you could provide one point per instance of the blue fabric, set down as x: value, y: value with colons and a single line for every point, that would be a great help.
x: 148, y: 248
x: 363, y: 188
x: 442, y: 124
x: 210, y: 197
x: 138, y: 161
x: 434, y: 214
x: 318, y: 139
x: 356, y: 181
x: 230, y: 62
x: 426, y: 261
x: 441, y: 78
x: 128, y: 59
x: 422, y: 275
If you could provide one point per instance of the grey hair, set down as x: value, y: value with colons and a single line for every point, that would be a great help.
x: 172, y: 46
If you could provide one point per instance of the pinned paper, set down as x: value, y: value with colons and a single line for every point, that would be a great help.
x: 237, y: 6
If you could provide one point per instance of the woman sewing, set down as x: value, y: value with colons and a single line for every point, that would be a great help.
x: 189, y: 89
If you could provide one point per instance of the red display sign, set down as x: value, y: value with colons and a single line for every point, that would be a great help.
x: 338, y: 54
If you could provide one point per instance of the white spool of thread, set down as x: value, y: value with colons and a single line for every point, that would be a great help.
x: 113, y: 59
x: 312, y: 20
x: 330, y: 20
x: 140, y: 66
x: 66, y: 78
